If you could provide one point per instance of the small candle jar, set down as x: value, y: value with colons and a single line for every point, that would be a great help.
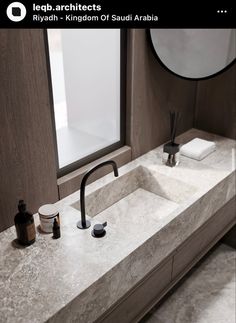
x: 47, y: 214
x: 171, y: 154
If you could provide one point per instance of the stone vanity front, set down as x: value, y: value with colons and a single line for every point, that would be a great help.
x: 150, y: 210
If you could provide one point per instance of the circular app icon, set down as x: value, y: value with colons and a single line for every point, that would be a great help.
x: 16, y: 11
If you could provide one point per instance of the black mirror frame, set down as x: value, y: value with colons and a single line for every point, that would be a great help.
x: 149, y: 37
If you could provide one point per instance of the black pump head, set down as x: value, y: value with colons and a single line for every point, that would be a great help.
x: 21, y: 206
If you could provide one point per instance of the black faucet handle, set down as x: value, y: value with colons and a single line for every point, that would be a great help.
x: 98, y: 230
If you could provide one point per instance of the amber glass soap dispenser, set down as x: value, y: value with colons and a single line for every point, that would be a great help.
x: 25, y: 227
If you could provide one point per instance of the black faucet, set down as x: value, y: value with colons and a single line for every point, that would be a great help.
x: 84, y: 224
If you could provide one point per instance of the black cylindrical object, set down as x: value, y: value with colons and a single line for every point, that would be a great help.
x: 56, y: 229
x: 25, y: 227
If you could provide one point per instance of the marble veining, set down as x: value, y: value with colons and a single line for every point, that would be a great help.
x: 207, y: 295
x: 150, y: 210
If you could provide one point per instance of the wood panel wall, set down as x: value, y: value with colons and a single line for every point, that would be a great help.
x: 152, y: 91
x: 216, y: 104
x: 27, y: 156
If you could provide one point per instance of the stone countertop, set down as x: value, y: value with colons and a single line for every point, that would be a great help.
x: 76, y: 278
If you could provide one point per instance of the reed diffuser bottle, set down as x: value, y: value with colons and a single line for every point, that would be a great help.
x: 171, y: 154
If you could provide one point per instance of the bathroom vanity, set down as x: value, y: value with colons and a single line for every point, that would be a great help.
x: 160, y: 222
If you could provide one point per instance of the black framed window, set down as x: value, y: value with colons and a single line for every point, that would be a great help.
x: 87, y: 71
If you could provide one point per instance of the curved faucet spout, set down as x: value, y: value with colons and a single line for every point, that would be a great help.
x: 84, y: 224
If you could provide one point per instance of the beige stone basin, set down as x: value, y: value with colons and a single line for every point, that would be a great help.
x: 139, y: 189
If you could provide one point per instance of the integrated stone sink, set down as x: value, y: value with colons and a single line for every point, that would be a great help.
x: 151, y: 210
x: 138, y: 194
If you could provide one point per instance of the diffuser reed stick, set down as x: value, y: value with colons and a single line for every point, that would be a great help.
x: 174, y: 117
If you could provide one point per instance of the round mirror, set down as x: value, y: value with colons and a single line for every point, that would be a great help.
x: 194, y: 53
